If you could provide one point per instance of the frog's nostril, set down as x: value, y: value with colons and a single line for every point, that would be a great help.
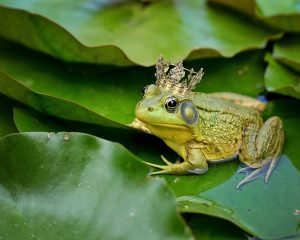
x: 150, y: 109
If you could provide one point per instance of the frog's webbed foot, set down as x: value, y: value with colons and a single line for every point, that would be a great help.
x: 194, y: 165
x: 254, y: 173
x: 170, y: 168
x: 166, y: 160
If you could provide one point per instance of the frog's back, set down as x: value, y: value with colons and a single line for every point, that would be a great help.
x: 221, y: 125
x: 211, y: 103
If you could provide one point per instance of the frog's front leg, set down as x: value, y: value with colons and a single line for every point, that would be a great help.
x: 194, y: 163
x: 261, y: 149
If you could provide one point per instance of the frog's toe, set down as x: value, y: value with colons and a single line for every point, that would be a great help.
x: 155, y: 165
x: 253, y: 173
x: 166, y: 161
x: 244, y: 170
x: 165, y: 171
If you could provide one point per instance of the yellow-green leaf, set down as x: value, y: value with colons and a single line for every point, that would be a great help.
x: 130, y: 32
x: 76, y: 186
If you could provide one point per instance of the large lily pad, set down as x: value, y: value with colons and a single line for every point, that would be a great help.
x: 280, y: 79
x: 129, y: 32
x: 75, y: 186
x: 210, y: 228
x: 107, y: 96
x: 284, y: 15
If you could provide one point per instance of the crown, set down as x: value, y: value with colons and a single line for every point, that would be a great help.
x: 172, y: 79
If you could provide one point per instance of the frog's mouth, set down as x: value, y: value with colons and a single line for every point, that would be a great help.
x: 164, y: 125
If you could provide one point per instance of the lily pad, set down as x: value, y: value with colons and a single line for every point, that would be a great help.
x: 129, y: 32
x: 287, y: 51
x: 280, y: 79
x: 253, y: 206
x: 284, y: 15
x: 7, y: 125
x: 107, y: 95
x: 210, y: 228
x: 75, y: 186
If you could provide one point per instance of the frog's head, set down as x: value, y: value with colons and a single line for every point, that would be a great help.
x: 166, y: 105
x: 166, y: 110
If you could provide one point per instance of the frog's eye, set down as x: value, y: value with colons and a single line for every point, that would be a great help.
x: 144, y: 90
x: 171, y: 104
x: 188, y: 112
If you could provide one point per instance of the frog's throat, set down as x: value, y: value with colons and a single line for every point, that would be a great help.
x: 164, y: 125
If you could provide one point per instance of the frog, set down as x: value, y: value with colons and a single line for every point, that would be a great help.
x: 205, y: 128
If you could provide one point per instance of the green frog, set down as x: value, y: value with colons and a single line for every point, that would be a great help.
x: 207, y: 128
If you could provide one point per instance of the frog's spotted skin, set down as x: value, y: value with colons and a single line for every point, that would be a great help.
x: 215, y: 127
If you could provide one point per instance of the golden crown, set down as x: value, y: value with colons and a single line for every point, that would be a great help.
x: 172, y: 79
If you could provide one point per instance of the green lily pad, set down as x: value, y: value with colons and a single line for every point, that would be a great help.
x: 75, y: 186
x: 106, y: 95
x: 280, y: 79
x: 210, y: 228
x: 19, y: 84
x: 130, y: 32
x: 28, y: 120
x: 284, y: 15
x: 7, y: 125
x: 252, y: 208
x: 287, y: 51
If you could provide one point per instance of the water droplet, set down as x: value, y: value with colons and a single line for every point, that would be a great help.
x: 67, y: 136
x: 243, y: 70
x: 131, y: 212
x: 186, y: 207
x: 79, y: 185
x: 187, y: 230
x: 50, y: 134
x: 176, y: 180
x: 16, y: 224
